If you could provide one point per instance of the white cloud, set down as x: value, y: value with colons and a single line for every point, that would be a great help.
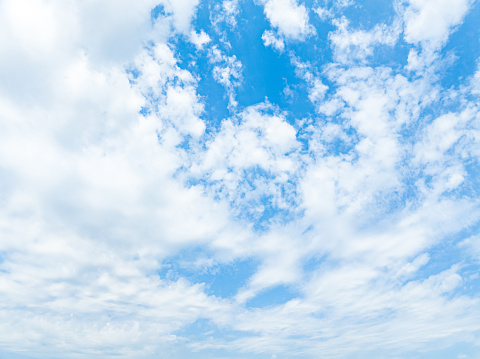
x: 258, y: 139
x: 182, y: 12
x: 429, y: 22
x: 475, y: 82
x: 269, y: 39
x: 323, y: 13
x: 355, y: 45
x: 290, y: 18
x: 199, y: 39
x: 227, y: 12
x: 316, y: 89
x: 331, y: 8
x: 171, y: 90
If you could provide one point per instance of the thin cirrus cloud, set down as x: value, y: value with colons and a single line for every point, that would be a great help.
x: 261, y: 179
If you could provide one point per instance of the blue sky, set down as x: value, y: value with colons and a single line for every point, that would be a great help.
x: 239, y: 179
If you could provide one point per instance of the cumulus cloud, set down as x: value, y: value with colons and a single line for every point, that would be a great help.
x: 351, y: 45
x: 430, y: 22
x: 289, y: 18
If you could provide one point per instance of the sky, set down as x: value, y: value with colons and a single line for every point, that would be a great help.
x: 239, y: 179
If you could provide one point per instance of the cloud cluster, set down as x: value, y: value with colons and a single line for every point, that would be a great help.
x: 289, y: 18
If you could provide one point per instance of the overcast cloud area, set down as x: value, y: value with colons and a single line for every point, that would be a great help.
x: 239, y: 179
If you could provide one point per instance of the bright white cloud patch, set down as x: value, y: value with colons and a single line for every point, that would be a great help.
x: 239, y: 179
x: 430, y: 22
x: 290, y: 18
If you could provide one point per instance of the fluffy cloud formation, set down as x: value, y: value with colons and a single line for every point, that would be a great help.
x: 290, y: 18
x: 359, y: 44
x: 430, y: 22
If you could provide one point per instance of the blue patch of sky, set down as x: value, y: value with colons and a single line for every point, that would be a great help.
x: 221, y: 280
x: 264, y: 69
x: 265, y: 72
x: 316, y: 47
x: 394, y: 57
x: 214, y: 98
x: 313, y: 264
x: 228, y: 279
x: 199, y: 329
x: 184, y: 51
x: 156, y: 12
x: 277, y: 295
x: 132, y: 74
x: 145, y: 111
x: 213, y: 94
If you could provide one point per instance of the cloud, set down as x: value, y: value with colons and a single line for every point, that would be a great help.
x: 351, y: 301
x: 475, y: 82
x: 226, y: 12
x: 182, y: 13
x: 200, y: 39
x: 227, y: 72
x: 259, y: 143
x: 430, y: 22
x: 360, y: 44
x: 316, y: 89
x: 269, y: 39
x: 289, y: 18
